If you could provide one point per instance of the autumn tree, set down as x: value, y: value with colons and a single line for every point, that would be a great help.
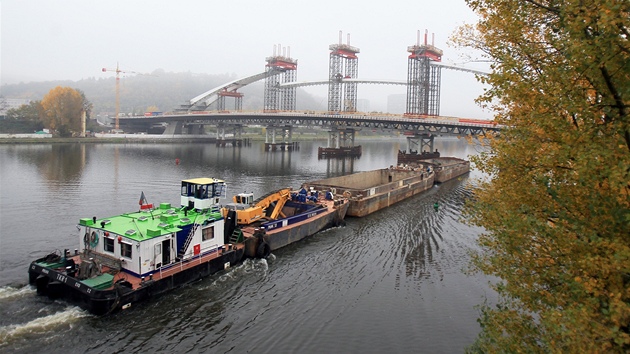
x: 62, y: 109
x: 556, y: 203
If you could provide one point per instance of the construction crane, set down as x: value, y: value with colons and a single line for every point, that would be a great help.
x: 118, y: 71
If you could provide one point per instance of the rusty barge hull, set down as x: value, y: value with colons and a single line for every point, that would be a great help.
x: 447, y: 168
x: 374, y: 190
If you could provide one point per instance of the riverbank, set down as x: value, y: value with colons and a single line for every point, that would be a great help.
x: 100, y: 140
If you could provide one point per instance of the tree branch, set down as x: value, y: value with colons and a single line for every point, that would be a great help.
x: 621, y: 107
x: 550, y: 9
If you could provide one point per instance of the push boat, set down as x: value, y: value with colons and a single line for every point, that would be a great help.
x: 128, y: 258
x: 280, y: 218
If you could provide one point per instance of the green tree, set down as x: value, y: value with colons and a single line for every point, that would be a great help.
x: 27, y: 112
x: 87, y: 105
x: 24, y: 119
x: 62, y: 110
x: 556, y: 204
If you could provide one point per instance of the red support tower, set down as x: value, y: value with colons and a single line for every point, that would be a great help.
x: 423, y: 79
x: 238, y: 100
x: 280, y: 68
x: 344, y: 64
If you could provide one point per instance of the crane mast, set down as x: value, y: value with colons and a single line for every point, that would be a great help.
x: 118, y: 71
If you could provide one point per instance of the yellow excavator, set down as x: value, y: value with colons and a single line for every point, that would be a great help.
x: 268, y: 207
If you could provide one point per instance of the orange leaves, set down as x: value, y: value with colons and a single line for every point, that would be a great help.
x: 62, y: 109
x: 556, y: 207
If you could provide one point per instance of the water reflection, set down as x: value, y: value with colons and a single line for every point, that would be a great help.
x: 55, y: 162
x: 340, y: 166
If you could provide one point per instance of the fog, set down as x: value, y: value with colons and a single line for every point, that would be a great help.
x: 73, y: 40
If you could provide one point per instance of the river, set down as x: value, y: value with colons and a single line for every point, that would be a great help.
x: 393, y: 281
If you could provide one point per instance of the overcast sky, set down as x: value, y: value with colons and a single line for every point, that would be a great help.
x: 74, y: 39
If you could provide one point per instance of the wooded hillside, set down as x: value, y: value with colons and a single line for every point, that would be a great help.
x: 162, y: 90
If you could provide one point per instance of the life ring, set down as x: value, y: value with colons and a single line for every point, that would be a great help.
x: 264, y: 250
x: 93, y: 239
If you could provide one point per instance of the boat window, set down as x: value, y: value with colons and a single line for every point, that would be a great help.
x: 202, y: 192
x: 218, y: 190
x: 184, y: 189
x: 207, y: 233
x: 109, y: 244
x: 125, y: 250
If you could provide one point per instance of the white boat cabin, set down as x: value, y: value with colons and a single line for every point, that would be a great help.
x: 152, y: 239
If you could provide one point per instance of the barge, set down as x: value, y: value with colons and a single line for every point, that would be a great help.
x: 371, y: 191
x: 280, y: 218
x: 374, y: 190
x: 134, y: 256
x: 447, y: 168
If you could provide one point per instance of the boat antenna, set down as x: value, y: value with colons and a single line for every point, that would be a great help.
x: 137, y: 227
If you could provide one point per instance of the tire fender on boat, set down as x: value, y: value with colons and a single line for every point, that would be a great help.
x: 264, y: 250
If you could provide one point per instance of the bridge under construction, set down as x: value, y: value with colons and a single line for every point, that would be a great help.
x: 421, y: 123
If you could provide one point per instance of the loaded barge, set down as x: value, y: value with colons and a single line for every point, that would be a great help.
x: 374, y: 190
x: 281, y: 218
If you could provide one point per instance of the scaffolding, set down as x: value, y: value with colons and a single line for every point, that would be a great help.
x: 423, y: 79
x: 343, y: 64
x: 280, y: 69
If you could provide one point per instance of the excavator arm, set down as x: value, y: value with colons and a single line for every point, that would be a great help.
x: 275, y: 200
x: 277, y: 210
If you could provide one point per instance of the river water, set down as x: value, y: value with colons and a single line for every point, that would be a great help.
x: 393, y: 281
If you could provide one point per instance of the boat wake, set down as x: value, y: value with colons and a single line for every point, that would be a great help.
x: 250, y: 265
x: 8, y: 292
x: 41, y: 324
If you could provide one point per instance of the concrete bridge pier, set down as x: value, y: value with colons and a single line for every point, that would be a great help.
x: 340, y: 143
x: 285, y: 134
x: 346, y: 137
x: 237, y: 135
x: 333, y: 138
x: 341, y: 138
x: 173, y: 128
x: 420, y: 143
x: 195, y: 129
x: 419, y: 147
x: 220, y: 132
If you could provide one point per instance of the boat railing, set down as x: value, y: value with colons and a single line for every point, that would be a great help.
x: 109, y: 261
x: 183, y: 261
